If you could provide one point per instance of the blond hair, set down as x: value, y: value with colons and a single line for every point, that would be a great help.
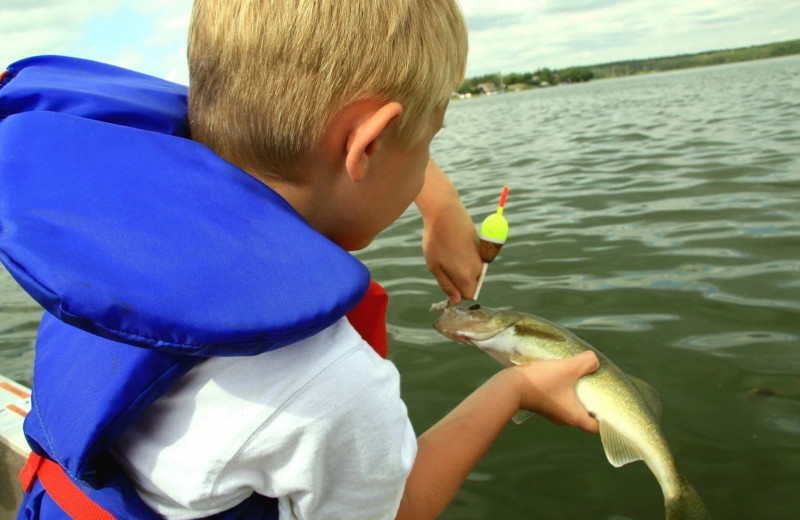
x: 268, y: 76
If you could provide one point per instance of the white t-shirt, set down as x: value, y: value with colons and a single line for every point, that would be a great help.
x: 319, y: 424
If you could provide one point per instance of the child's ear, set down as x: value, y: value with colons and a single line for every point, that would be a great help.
x: 363, y: 137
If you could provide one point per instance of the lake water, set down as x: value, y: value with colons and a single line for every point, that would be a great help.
x: 658, y: 217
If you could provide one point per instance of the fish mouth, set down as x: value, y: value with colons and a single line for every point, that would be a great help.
x: 470, y: 337
x: 469, y: 325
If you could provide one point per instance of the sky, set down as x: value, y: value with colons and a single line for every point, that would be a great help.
x: 505, y: 35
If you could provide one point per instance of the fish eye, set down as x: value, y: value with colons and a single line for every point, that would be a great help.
x: 474, y: 307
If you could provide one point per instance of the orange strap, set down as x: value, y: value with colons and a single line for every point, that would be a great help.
x: 369, y: 318
x: 61, y: 489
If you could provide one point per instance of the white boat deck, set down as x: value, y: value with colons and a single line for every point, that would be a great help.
x: 15, y: 403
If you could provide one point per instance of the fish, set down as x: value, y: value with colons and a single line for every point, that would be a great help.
x: 627, y: 408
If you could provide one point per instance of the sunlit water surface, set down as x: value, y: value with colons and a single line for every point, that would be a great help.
x: 658, y: 217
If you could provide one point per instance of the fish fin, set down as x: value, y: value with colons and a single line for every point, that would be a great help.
x: 521, y: 416
x: 650, y: 395
x: 686, y: 504
x: 518, y: 358
x: 618, y: 450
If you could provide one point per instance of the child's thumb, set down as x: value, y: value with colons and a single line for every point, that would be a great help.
x: 586, y: 362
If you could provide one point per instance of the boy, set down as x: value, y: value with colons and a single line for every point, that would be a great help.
x: 332, y: 106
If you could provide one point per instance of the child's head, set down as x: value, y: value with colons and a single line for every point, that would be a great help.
x: 268, y: 76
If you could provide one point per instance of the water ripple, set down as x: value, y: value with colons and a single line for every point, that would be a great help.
x: 736, y: 339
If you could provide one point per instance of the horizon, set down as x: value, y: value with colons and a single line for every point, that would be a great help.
x: 637, y: 60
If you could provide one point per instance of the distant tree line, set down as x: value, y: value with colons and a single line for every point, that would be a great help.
x: 540, y: 78
x: 545, y: 77
x: 702, y: 59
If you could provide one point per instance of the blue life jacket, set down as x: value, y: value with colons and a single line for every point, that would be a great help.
x: 149, y: 253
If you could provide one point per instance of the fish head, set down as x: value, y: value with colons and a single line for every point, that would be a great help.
x: 473, y: 324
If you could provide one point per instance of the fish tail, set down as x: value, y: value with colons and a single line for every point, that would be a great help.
x: 686, y: 504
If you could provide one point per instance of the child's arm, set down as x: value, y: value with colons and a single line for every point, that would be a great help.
x: 450, y: 241
x: 450, y: 449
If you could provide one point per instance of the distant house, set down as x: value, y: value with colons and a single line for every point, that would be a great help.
x: 488, y: 87
x: 514, y: 87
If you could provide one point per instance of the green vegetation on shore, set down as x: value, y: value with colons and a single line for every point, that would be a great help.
x: 545, y: 77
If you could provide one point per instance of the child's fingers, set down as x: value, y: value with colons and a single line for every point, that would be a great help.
x: 447, y: 285
x: 586, y: 363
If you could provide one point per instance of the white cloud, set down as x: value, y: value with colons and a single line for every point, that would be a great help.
x: 166, y: 44
x: 524, y: 35
x: 174, y: 68
x: 169, y: 29
x: 30, y: 28
x: 144, y: 35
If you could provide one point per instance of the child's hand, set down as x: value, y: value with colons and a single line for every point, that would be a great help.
x: 548, y: 388
x: 450, y: 246
x: 450, y: 240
